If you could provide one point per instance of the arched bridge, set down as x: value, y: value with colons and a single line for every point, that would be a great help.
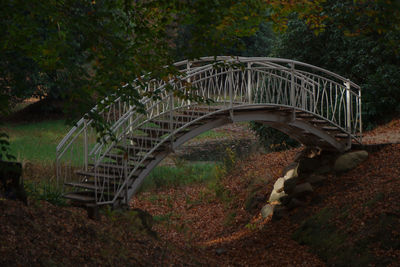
x: 310, y: 104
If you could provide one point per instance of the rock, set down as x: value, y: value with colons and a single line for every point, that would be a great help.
x: 307, y: 165
x: 302, y: 190
x: 279, y: 184
x: 290, y: 170
x: 308, y: 152
x: 324, y: 169
x: 267, y: 210
x: 290, y: 184
x: 285, y: 200
x: 315, y: 179
x: 295, y: 203
x: 279, y: 212
x: 276, y: 196
x: 350, y: 160
x: 298, y: 156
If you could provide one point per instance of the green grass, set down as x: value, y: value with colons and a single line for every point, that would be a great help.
x: 36, y: 141
x: 167, y: 176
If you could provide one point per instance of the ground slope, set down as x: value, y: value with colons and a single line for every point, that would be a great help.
x: 355, y: 221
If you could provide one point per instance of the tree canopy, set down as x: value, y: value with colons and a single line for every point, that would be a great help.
x: 82, y: 51
x: 79, y: 48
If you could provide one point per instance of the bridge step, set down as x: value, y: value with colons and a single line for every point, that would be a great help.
x: 342, y: 135
x: 317, y: 121
x: 152, y: 131
x: 165, y: 124
x: 331, y: 129
x: 193, y: 112
x: 87, y: 197
x: 118, y: 157
x: 90, y: 185
x: 100, y: 175
x: 116, y: 166
x: 80, y: 197
x: 304, y: 115
x: 146, y: 140
x: 145, y: 148
x: 84, y: 185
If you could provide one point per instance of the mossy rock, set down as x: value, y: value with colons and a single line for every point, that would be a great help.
x: 349, y: 161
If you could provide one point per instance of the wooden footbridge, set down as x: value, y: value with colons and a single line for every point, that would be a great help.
x: 310, y: 104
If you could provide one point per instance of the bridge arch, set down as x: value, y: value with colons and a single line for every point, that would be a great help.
x: 310, y: 104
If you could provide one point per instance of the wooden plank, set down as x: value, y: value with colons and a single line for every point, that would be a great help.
x: 80, y: 197
x: 342, y: 135
x: 331, y: 129
x: 84, y: 185
x: 101, y: 175
x: 318, y: 121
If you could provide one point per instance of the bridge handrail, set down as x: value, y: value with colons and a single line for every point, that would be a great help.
x: 130, y: 119
x: 262, y: 59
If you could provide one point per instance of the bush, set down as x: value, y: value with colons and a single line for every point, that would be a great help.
x: 272, y: 139
x: 45, y: 191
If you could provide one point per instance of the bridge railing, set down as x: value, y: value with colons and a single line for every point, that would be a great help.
x: 227, y: 83
x: 77, y: 149
x: 229, y: 86
x: 290, y: 83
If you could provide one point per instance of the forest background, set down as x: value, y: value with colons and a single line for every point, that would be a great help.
x: 73, y: 53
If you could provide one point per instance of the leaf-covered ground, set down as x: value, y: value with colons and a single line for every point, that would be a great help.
x: 355, y: 221
x: 388, y: 133
x: 358, y: 210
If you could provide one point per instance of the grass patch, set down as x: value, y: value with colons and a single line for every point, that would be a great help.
x: 184, y: 174
x: 37, y: 141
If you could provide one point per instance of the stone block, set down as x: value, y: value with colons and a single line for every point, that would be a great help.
x: 290, y: 184
x: 279, y: 184
x: 290, y: 170
x: 275, y: 196
x: 267, y: 210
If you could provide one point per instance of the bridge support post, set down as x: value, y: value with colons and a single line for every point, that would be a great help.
x: 126, y: 189
x: 249, y: 89
x: 171, y: 116
x: 348, y: 107
x: 231, y: 93
x: 359, y: 114
x: 86, y: 149
x: 188, y: 65
x: 348, y: 112
x: 292, y: 87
